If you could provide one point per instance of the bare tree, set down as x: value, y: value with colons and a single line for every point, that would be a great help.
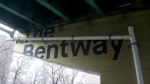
x: 29, y: 78
x: 53, y: 72
x: 20, y: 68
x: 44, y: 75
x: 70, y: 77
x: 61, y: 75
x: 37, y: 75
x: 6, y: 51
x: 2, y: 73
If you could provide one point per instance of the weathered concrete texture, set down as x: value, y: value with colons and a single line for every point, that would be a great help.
x: 121, y: 71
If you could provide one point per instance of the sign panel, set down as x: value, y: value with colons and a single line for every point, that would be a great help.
x: 88, y: 54
x: 56, y: 49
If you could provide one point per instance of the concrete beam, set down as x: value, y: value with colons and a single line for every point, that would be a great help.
x: 53, y: 9
x: 4, y: 30
x: 94, y: 6
x: 11, y: 33
x: 20, y: 15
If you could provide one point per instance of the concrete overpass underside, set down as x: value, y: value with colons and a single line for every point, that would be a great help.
x: 66, y: 18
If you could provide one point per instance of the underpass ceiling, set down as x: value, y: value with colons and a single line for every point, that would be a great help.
x: 26, y: 15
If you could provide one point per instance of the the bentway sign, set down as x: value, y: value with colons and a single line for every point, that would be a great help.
x: 97, y: 47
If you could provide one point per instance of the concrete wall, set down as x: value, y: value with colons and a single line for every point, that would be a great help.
x: 112, y: 71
